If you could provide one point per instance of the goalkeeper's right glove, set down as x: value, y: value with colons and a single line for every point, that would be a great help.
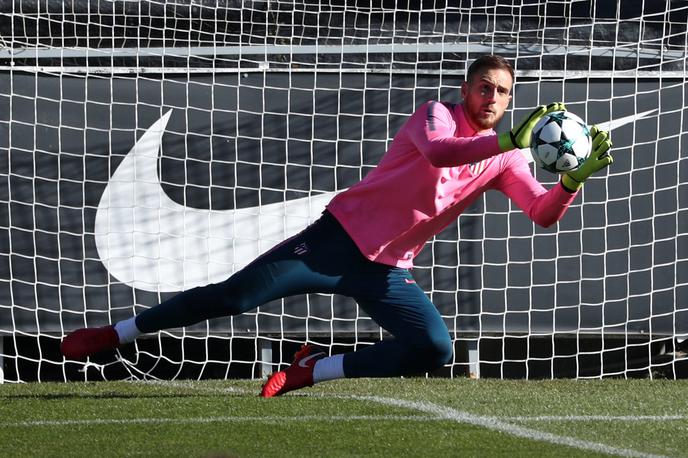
x: 599, y: 158
x: 519, y: 136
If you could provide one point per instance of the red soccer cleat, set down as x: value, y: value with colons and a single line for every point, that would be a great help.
x: 88, y: 341
x: 298, y: 375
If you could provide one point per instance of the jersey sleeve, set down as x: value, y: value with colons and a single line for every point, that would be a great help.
x: 432, y: 133
x: 544, y: 207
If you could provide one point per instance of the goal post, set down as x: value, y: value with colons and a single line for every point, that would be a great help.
x: 150, y: 147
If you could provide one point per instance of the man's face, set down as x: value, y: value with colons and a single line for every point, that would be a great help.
x: 487, y: 97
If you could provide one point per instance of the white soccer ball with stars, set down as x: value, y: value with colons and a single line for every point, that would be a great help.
x: 560, y: 142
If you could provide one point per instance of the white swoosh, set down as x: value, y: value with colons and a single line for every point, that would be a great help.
x: 609, y: 125
x: 304, y: 361
x: 152, y: 243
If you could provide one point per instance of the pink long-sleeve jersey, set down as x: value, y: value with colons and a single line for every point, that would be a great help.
x: 436, y: 166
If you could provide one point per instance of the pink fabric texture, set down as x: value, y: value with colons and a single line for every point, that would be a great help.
x: 435, y: 168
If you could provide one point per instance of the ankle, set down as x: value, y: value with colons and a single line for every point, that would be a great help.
x: 329, y: 368
x: 127, y: 331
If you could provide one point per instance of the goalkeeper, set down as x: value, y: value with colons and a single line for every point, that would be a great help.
x: 442, y: 159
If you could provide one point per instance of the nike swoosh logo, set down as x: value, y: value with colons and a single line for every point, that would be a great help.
x: 149, y: 242
x: 304, y: 361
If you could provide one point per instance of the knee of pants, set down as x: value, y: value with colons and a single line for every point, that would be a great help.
x: 434, y: 351
x: 443, y: 350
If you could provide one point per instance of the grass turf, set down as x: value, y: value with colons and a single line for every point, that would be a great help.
x: 346, y: 418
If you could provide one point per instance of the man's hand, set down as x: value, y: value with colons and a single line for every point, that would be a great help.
x: 599, y: 158
x: 519, y: 136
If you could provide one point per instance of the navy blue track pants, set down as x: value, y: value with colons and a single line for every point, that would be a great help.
x: 324, y: 259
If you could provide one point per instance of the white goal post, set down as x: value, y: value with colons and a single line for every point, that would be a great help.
x: 147, y: 147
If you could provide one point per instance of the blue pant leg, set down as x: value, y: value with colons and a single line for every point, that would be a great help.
x: 283, y: 271
x: 247, y: 289
x: 420, y: 342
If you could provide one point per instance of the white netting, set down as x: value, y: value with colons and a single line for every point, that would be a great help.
x: 149, y: 147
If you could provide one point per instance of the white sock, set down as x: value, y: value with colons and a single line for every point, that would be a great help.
x: 329, y: 368
x: 127, y: 330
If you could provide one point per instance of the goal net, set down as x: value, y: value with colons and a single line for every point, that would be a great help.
x: 150, y: 147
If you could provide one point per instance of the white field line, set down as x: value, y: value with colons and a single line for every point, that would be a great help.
x: 447, y: 413
x: 191, y: 385
x: 497, y: 424
x: 630, y: 418
x: 493, y: 423
x: 436, y: 413
x: 221, y: 419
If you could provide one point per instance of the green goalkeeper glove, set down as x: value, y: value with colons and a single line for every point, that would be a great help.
x: 519, y: 136
x: 599, y: 158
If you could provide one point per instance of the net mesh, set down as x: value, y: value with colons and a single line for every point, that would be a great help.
x: 233, y: 123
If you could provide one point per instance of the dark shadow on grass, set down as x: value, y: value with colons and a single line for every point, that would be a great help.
x: 56, y: 396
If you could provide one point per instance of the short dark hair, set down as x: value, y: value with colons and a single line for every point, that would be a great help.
x: 489, y: 61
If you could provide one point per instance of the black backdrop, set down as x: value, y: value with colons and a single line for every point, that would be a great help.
x: 61, y: 138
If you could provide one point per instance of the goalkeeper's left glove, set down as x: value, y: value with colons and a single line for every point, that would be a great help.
x: 519, y: 136
x: 599, y: 158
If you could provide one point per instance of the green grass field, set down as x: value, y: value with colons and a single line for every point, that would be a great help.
x: 399, y: 417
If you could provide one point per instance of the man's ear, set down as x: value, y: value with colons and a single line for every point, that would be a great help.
x: 464, y: 89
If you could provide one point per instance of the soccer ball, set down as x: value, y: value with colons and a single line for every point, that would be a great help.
x: 560, y: 142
